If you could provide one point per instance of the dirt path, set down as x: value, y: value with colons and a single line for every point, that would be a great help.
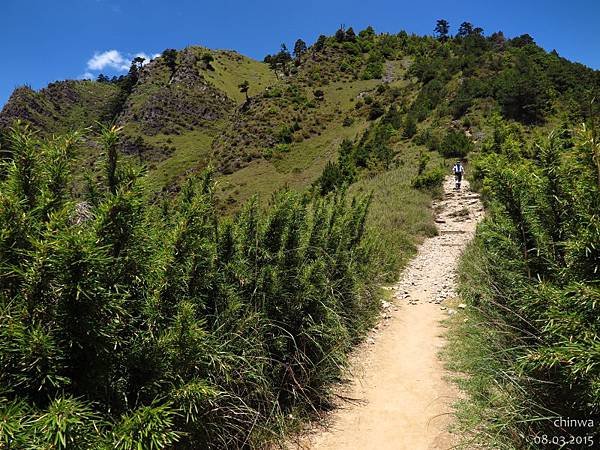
x: 401, y: 399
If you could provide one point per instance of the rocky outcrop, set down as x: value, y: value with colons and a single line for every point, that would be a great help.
x: 60, y: 106
x: 170, y: 103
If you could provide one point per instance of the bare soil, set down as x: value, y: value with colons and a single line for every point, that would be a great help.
x: 398, y: 395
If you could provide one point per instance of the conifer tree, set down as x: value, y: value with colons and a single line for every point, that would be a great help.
x: 442, y: 28
x: 465, y: 29
x: 244, y: 88
x: 299, y: 49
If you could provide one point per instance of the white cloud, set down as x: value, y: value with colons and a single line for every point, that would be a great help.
x: 86, y: 76
x: 115, y: 60
x: 112, y: 59
x: 146, y: 56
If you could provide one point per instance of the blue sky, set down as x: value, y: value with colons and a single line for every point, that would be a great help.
x: 47, y: 40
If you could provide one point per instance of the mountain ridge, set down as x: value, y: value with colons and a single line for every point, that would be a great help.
x: 185, y: 110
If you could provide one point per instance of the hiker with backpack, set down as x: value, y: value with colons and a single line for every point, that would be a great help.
x: 458, y: 171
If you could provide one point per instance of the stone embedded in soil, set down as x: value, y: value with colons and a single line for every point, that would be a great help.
x: 432, y: 271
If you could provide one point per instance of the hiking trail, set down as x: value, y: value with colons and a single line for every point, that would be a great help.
x: 398, y: 396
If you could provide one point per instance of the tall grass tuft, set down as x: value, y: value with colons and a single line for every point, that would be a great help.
x: 125, y: 324
x: 530, y: 346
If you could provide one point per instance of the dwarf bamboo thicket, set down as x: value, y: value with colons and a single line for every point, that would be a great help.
x: 131, y: 324
x: 534, y: 274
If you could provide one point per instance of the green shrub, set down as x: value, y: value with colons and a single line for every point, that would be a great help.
x: 470, y: 89
x: 522, y: 91
x: 429, y: 179
x: 128, y: 324
x: 535, y: 285
x: 376, y: 111
x: 456, y: 144
x: 285, y: 135
x: 273, y: 92
x: 430, y: 96
x: 428, y: 138
x: 373, y: 71
x: 410, y: 126
x: 393, y: 117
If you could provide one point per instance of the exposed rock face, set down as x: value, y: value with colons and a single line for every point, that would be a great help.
x: 250, y: 124
x: 168, y: 103
x: 143, y: 150
x: 24, y: 104
x: 175, y: 106
x: 60, y: 106
x: 160, y: 102
x: 62, y: 94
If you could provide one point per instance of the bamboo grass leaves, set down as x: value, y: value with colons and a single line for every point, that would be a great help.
x: 129, y: 324
x: 540, y: 243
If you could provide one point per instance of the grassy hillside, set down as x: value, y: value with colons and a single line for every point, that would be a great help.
x: 188, y: 107
x: 230, y: 69
x: 62, y: 106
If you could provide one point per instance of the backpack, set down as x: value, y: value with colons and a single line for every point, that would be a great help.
x: 457, y: 169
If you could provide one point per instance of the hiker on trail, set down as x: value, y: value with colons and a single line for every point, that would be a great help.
x: 458, y: 170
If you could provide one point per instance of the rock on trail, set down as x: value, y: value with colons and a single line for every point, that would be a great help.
x: 402, y: 399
